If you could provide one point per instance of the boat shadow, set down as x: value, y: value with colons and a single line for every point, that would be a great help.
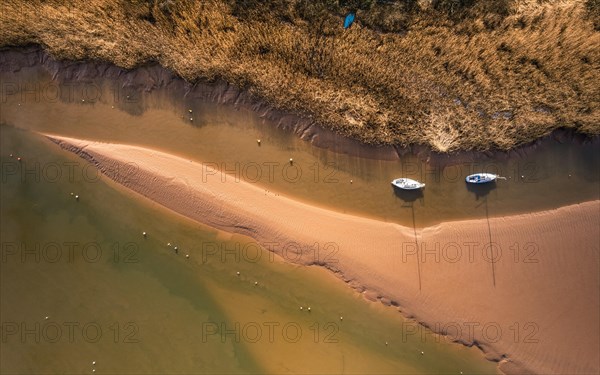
x: 408, y: 196
x: 481, y: 190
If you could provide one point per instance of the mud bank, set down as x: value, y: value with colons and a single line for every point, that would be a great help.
x: 152, y: 76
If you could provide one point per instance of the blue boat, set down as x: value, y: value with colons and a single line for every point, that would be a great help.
x: 481, y: 178
x: 348, y: 20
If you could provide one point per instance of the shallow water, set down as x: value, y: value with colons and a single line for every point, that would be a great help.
x: 133, y: 305
x: 552, y: 175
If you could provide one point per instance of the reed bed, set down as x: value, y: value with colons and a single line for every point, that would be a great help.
x: 452, y: 74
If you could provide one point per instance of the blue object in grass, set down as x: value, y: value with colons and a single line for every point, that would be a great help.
x: 348, y: 20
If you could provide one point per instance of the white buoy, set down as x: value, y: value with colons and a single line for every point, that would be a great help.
x: 72, y: 194
x: 191, y: 119
x: 422, y: 353
x: 94, y: 363
x: 255, y: 283
x: 386, y: 343
x: 169, y: 244
x: 522, y: 176
x: 351, y: 181
x: 308, y: 308
x: 77, y: 197
x: 237, y: 273
x: 93, y: 370
x: 258, y: 141
x: 112, y: 106
x: 187, y: 255
x: 301, y: 308
x: 341, y: 318
x: 11, y: 155
x: 176, y: 248
x: 47, y: 318
x: 291, y: 161
x: 82, y: 100
x: 190, y: 110
x: 144, y: 234
x: 18, y: 159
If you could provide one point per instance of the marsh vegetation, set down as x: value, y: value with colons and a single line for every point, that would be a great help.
x: 453, y: 74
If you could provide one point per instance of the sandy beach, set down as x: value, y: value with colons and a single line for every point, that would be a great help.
x: 533, y: 306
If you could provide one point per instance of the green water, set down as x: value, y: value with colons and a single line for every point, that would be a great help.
x: 134, y: 306
x: 552, y: 175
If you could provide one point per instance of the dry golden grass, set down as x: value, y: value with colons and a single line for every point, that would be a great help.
x: 480, y: 82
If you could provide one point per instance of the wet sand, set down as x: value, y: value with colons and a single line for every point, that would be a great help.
x: 532, y: 306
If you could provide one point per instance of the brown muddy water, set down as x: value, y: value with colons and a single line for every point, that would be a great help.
x: 547, y: 176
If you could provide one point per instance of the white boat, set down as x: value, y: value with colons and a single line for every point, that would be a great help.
x: 482, y: 178
x: 407, y: 184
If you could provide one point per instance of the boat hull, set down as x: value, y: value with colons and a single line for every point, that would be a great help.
x: 480, y: 178
x: 407, y: 184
